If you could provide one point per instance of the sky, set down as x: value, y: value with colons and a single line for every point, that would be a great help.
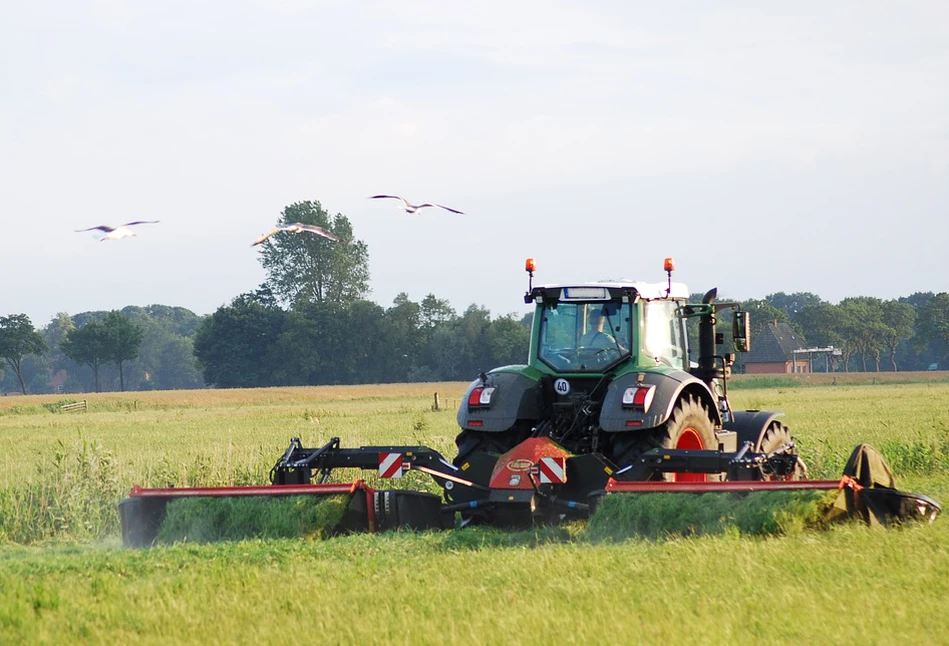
x: 766, y: 146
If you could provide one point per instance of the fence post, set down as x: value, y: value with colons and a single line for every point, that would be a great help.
x: 435, y: 405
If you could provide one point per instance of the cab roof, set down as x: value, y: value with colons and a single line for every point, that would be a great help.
x: 607, y: 290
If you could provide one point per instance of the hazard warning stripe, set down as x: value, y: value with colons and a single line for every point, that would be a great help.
x: 552, y: 470
x: 390, y: 465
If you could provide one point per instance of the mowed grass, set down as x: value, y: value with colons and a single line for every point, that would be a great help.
x: 846, y: 584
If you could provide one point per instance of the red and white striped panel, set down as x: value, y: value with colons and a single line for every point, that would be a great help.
x: 390, y: 465
x: 552, y: 470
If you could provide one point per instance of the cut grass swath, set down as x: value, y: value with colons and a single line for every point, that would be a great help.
x: 659, y: 515
x: 205, y: 520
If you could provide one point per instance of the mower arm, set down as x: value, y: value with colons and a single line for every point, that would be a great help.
x: 298, y: 462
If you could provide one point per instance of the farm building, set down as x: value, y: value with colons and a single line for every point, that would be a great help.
x: 773, y: 351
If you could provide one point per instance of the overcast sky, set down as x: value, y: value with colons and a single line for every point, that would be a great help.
x: 785, y: 146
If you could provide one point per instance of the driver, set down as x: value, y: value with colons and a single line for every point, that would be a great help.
x: 595, y: 336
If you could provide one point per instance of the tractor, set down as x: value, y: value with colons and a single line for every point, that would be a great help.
x: 632, y: 387
x: 612, y: 400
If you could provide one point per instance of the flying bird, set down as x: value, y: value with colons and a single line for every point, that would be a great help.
x: 119, y: 232
x: 297, y: 227
x: 414, y: 208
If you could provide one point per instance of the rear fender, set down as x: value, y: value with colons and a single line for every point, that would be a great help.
x: 516, y: 396
x: 750, y: 425
x: 670, y: 388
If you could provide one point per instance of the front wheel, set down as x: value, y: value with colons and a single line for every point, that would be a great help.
x: 776, y: 439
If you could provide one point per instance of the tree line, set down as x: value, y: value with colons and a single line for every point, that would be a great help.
x: 310, y: 323
x: 871, y: 334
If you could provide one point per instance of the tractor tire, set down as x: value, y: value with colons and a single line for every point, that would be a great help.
x: 690, y: 427
x: 772, y: 439
x: 469, y: 441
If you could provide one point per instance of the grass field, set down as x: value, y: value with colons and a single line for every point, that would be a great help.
x: 64, y: 575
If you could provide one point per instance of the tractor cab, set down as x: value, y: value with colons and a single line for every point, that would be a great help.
x: 598, y: 327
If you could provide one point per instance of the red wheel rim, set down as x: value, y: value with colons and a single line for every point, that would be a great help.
x: 689, y: 440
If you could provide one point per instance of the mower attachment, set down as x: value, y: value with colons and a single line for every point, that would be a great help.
x: 537, y: 479
x: 144, y: 511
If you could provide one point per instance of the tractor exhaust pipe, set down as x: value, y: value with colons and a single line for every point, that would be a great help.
x: 707, y: 337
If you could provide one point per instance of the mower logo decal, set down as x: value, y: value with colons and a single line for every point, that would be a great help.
x: 562, y: 387
x: 390, y: 465
x: 521, y: 464
x: 552, y: 470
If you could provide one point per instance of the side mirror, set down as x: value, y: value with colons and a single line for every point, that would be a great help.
x: 741, y: 331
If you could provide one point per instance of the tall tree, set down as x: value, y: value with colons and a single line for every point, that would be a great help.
x: 303, y: 268
x: 898, y: 319
x: 932, y: 325
x: 792, y: 304
x: 124, y: 338
x: 88, y: 345
x: 508, y: 340
x: 18, y: 338
x: 434, y: 312
x: 864, y: 327
x: 233, y: 344
x: 403, y: 338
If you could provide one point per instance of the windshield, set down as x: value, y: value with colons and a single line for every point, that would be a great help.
x: 584, y: 337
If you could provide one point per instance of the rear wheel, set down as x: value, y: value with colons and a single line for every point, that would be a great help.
x: 689, y: 428
x: 777, y: 438
x: 469, y: 441
x: 477, y: 453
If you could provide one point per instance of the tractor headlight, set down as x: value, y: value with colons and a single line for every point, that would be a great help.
x: 639, y: 397
x: 480, y: 397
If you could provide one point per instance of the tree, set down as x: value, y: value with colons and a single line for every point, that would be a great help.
x: 932, y: 325
x: 303, y: 268
x: 508, y: 340
x: 166, y: 358
x: 434, y: 312
x: 864, y: 327
x: 124, y: 339
x: 18, y: 339
x: 233, y: 345
x: 792, y: 304
x: 88, y: 345
x: 402, y: 338
x: 898, y: 319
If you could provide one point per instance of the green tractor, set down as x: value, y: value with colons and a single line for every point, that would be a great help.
x: 611, y: 402
x: 610, y: 372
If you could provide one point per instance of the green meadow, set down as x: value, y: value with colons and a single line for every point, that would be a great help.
x: 65, y: 576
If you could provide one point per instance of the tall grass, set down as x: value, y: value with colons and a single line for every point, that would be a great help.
x: 74, y: 497
x: 62, y: 475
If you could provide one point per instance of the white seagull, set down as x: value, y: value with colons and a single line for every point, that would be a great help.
x: 414, y: 208
x: 119, y: 232
x: 297, y: 227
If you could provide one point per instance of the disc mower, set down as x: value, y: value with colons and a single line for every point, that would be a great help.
x: 610, y: 402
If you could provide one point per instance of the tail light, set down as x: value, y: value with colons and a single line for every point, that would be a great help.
x: 480, y: 397
x: 639, y: 397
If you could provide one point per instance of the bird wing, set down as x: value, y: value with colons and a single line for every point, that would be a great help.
x: 264, y: 236
x: 447, y: 208
x: 129, y: 224
x: 320, y: 231
x: 408, y: 205
x: 101, y: 227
